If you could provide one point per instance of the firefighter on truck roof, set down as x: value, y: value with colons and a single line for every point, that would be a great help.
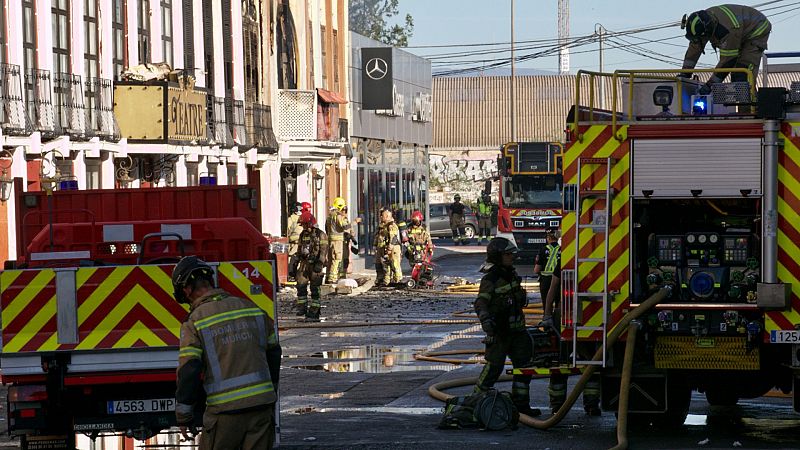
x: 739, y: 33
x: 240, y: 392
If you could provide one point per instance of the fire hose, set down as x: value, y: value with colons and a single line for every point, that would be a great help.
x: 436, y: 390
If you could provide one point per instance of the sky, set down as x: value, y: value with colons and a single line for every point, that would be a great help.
x: 447, y: 22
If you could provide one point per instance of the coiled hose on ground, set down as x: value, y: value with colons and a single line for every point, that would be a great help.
x: 436, y: 390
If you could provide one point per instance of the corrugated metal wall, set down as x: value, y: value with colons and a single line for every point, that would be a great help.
x: 474, y: 112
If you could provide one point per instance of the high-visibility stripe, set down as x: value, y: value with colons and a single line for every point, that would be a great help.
x: 190, y: 352
x: 730, y: 15
x: 238, y: 394
x: 240, y: 279
x: 226, y: 316
x: 729, y: 52
x: 760, y: 30
x: 552, y: 259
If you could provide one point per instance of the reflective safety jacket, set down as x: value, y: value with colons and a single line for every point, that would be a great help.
x: 553, y: 252
x: 501, y: 299
x: 313, y: 246
x: 293, y: 228
x: 418, y: 237
x: 228, y: 343
x: 484, y: 209
x: 734, y: 26
x: 337, y: 225
x: 388, y: 235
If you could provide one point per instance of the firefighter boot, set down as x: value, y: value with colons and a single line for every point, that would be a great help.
x: 312, y: 314
x: 591, y: 396
x: 520, y: 395
x: 301, y: 307
x: 557, y: 391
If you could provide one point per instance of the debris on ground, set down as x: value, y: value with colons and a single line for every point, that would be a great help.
x: 704, y: 441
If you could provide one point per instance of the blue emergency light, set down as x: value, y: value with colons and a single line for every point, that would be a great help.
x: 700, y: 105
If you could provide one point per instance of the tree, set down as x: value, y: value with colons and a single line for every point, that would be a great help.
x: 371, y: 17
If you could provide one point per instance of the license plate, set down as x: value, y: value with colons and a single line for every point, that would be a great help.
x: 140, y: 406
x: 784, y: 336
x: 536, y: 241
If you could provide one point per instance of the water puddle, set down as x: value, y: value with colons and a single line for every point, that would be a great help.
x: 366, y: 359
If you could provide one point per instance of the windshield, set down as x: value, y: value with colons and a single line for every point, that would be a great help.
x: 532, y: 191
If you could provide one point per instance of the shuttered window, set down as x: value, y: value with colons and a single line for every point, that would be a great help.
x: 188, y: 35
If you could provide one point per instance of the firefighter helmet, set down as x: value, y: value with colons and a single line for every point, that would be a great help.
x: 189, y: 269
x: 417, y: 215
x: 497, y: 247
x: 457, y: 198
x: 305, y: 206
x: 699, y: 25
x: 339, y: 203
x: 306, y: 218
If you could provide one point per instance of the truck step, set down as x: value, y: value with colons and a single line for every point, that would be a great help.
x: 588, y: 363
x: 591, y: 226
x: 592, y: 328
x: 598, y: 295
x: 602, y: 161
x: 582, y: 260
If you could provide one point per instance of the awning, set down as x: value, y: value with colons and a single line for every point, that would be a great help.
x: 330, y: 96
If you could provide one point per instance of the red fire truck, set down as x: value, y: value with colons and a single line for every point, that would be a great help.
x: 698, y: 194
x: 531, y: 185
x: 90, y: 329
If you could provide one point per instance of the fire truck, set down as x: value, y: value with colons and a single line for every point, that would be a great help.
x: 90, y: 328
x: 531, y: 185
x: 698, y: 194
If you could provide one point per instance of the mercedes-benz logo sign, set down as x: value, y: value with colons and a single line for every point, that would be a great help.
x: 377, y: 68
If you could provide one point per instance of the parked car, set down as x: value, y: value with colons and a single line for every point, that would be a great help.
x: 439, y: 221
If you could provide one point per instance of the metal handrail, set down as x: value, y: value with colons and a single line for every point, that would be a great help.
x: 578, y: 78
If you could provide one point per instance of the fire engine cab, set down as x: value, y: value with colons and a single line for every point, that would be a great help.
x: 699, y: 194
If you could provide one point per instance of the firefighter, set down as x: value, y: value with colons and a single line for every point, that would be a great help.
x: 313, y: 254
x: 239, y: 392
x: 337, y: 226
x: 738, y: 32
x: 419, y: 240
x: 485, y: 209
x: 558, y: 382
x: 457, y: 226
x: 293, y: 230
x: 350, y: 245
x: 388, y: 247
x: 499, y: 308
x: 546, y: 261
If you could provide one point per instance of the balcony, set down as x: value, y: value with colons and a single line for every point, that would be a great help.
x: 100, y: 108
x: 13, y: 114
x: 234, y: 116
x: 297, y: 115
x: 218, y: 131
x: 71, y: 112
x: 40, y: 103
x: 259, y: 128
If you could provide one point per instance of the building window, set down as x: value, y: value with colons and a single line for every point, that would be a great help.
x: 91, y: 53
x: 188, y: 36
x: 233, y: 174
x: 192, y: 177
x: 227, y: 47
x: 208, y: 44
x: 143, y: 7
x: 93, y: 174
x: 335, y: 61
x: 166, y: 30
x: 252, y: 52
x: 310, y: 54
x: 118, y: 37
x: 3, y: 32
x: 323, y: 41
x: 61, y: 39
x: 29, y: 34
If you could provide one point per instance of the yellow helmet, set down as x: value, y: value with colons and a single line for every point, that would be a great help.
x: 339, y: 203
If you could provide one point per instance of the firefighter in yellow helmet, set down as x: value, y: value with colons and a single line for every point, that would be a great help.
x: 389, y: 249
x: 739, y: 33
x: 337, y: 227
x: 239, y: 392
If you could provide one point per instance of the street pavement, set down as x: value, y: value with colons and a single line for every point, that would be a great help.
x: 360, y: 386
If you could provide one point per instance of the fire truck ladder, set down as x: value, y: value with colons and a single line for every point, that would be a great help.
x: 579, y: 297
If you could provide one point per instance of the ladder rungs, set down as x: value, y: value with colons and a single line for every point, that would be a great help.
x: 582, y: 260
x: 595, y: 160
x: 592, y: 294
x: 599, y: 228
x: 588, y: 328
x: 592, y: 193
x: 590, y: 362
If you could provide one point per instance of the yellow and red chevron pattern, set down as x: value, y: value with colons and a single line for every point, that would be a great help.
x: 117, y: 307
x: 598, y: 142
x: 788, y: 227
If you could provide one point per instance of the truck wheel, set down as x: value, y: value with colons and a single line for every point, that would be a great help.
x: 469, y: 231
x: 717, y: 397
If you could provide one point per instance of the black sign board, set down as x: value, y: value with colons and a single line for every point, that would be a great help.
x: 376, y: 78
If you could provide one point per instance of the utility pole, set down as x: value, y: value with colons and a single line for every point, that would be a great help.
x: 563, y: 37
x: 513, y: 102
x: 599, y: 30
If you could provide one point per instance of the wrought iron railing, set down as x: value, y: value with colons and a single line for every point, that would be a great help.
x: 234, y: 116
x: 218, y: 131
x: 100, y: 108
x: 13, y: 114
x: 70, y: 107
x: 259, y: 127
x: 40, y: 102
